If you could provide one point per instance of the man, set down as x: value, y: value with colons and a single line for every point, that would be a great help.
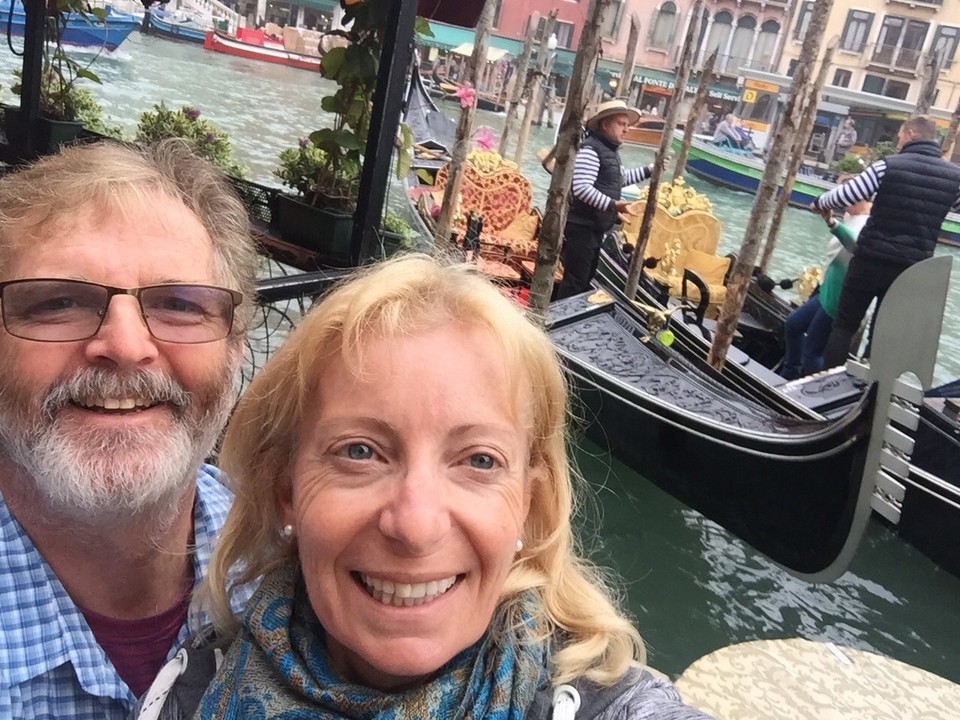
x: 846, y: 139
x: 126, y: 285
x: 914, y: 191
x: 597, y: 180
x: 726, y: 132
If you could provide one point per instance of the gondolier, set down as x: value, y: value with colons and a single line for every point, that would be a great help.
x: 912, y: 192
x: 598, y: 177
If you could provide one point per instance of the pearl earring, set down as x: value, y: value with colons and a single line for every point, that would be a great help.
x: 287, y: 532
x: 519, y: 545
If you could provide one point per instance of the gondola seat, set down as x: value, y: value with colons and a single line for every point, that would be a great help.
x: 692, y: 239
x: 496, y: 191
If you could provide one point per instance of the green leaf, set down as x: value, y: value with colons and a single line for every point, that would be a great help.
x: 329, y: 104
x: 332, y: 62
x: 422, y: 27
x: 425, y: 177
x: 99, y: 13
x: 88, y: 75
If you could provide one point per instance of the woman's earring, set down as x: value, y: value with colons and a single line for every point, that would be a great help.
x: 519, y: 545
x: 287, y: 532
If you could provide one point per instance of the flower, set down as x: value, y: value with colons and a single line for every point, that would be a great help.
x: 467, y: 95
x: 192, y: 113
x: 304, y: 142
x: 485, y: 139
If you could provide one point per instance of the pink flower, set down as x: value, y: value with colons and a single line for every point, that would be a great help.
x: 485, y: 139
x: 467, y: 95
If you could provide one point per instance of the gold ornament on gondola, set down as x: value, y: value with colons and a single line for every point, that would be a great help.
x: 677, y: 198
x: 808, y: 281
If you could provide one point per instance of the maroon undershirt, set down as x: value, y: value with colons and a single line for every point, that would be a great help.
x: 138, y: 648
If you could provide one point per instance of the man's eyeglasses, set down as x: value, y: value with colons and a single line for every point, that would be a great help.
x: 49, y: 310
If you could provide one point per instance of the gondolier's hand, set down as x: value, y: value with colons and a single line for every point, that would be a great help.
x: 623, y: 207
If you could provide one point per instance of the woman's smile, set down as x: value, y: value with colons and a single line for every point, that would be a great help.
x: 400, y: 594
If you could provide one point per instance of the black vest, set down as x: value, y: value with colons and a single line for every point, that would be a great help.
x: 609, y: 181
x: 915, y: 195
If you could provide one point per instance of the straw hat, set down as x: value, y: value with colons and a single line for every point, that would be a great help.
x: 612, y: 107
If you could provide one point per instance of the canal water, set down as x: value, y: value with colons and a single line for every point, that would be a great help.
x: 691, y: 586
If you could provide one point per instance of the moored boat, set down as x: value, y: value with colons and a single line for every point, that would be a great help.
x: 168, y: 26
x: 743, y: 171
x: 647, y: 131
x: 253, y: 45
x: 81, y: 31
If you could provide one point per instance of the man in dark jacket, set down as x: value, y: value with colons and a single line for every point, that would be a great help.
x: 914, y: 189
x: 597, y: 180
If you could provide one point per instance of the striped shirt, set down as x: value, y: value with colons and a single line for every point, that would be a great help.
x: 860, y: 187
x: 586, y: 169
x: 51, y: 666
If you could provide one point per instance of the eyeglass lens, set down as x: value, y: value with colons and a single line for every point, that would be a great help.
x: 67, y: 310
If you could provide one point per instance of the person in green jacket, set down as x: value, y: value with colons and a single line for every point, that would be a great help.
x: 807, y: 328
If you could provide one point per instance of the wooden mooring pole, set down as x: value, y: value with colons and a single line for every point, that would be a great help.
x: 951, y: 138
x: 521, y: 83
x: 929, y: 88
x: 629, y: 58
x: 763, y: 204
x: 555, y: 210
x: 458, y: 154
x: 706, y: 75
x: 533, y: 99
x: 808, y: 117
x: 669, y: 122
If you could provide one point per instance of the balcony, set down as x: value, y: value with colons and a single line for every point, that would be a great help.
x: 934, y: 5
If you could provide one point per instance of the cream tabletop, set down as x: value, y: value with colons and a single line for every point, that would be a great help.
x: 797, y: 678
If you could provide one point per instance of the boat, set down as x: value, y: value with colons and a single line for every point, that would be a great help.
x: 255, y: 45
x: 647, y: 131
x: 80, y: 30
x: 741, y: 170
x: 168, y: 25
x: 798, y: 488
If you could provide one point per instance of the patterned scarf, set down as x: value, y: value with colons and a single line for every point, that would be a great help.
x: 278, y: 668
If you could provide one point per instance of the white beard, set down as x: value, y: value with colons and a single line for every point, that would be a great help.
x: 95, y: 475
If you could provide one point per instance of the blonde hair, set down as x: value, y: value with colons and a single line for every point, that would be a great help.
x: 104, y: 176
x: 397, y: 298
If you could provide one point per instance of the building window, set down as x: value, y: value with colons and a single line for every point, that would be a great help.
x: 900, y: 42
x: 878, y: 85
x: 803, y: 21
x: 945, y: 45
x: 792, y: 67
x: 664, y: 26
x: 856, y: 30
x: 841, y: 78
x: 896, y: 89
x: 742, y: 40
x: 611, y: 21
x: 564, y: 31
x: 766, y: 43
x: 873, y: 84
x: 719, y: 32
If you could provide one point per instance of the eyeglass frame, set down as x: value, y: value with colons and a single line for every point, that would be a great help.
x: 112, y: 291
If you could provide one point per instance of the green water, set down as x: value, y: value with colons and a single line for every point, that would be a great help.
x: 694, y: 588
x: 691, y: 587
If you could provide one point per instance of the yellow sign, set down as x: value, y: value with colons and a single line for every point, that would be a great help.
x: 749, y: 96
x: 764, y: 86
x: 754, y: 124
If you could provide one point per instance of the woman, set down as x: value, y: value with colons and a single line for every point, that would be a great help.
x: 403, y: 490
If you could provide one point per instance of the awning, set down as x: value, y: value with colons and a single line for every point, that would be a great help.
x: 325, y: 6
x: 463, y: 13
x: 493, y: 53
x: 663, y: 80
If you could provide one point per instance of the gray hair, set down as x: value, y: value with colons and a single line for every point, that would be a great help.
x: 108, y: 175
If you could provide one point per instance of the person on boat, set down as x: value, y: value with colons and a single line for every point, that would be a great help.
x: 598, y: 177
x: 127, y: 286
x: 846, y: 139
x: 414, y: 540
x: 726, y: 132
x: 912, y: 193
x: 807, y: 328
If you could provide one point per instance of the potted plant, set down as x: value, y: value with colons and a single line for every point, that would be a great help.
x: 324, y: 169
x: 207, y: 139
x: 65, y: 108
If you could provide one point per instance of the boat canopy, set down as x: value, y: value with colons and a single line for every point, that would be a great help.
x: 493, y: 54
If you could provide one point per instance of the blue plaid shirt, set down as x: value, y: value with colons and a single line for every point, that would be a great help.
x: 51, y: 667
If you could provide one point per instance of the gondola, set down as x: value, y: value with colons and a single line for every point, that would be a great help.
x: 790, y: 467
x: 797, y: 487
